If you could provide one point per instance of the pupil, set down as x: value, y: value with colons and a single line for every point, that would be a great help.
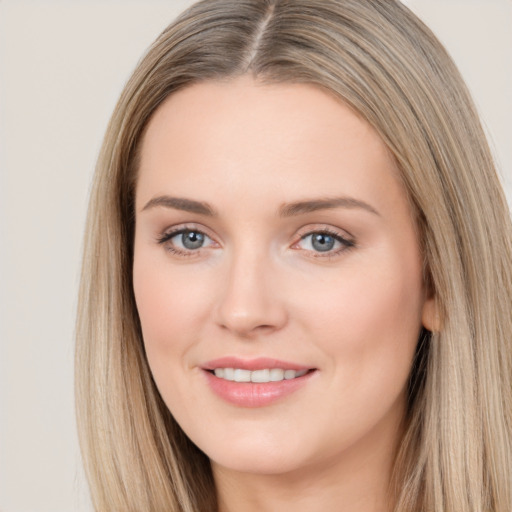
x: 322, y: 242
x: 192, y: 240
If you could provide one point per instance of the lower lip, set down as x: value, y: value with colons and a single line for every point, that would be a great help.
x: 251, y: 394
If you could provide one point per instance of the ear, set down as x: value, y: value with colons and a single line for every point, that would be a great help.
x: 430, y: 317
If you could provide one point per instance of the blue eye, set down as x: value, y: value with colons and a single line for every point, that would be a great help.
x: 185, y: 241
x: 324, y: 242
x: 191, y: 239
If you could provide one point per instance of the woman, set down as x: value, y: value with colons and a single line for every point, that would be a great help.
x: 297, y: 275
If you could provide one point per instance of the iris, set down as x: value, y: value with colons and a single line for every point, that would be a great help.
x: 192, y: 239
x: 322, y: 242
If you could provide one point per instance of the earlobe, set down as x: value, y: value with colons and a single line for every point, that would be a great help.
x: 430, y: 317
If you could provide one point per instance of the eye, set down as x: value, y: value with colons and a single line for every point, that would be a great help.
x: 324, y: 242
x: 189, y: 240
x: 184, y: 241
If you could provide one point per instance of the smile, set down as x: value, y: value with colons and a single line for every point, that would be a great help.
x: 259, y: 376
x: 260, y: 382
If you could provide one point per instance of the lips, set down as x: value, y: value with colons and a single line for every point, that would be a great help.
x: 255, y: 382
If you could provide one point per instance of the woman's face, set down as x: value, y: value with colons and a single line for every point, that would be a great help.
x: 274, y: 244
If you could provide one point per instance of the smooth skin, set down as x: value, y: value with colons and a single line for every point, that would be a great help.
x: 335, y: 285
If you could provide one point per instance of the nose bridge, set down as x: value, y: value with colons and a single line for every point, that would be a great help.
x: 250, y: 302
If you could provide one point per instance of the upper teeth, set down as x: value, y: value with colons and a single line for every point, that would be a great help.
x: 267, y: 375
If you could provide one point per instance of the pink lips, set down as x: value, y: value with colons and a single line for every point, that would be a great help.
x: 250, y: 394
x: 252, y: 364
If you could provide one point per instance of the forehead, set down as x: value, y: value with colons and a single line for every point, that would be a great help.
x: 264, y: 140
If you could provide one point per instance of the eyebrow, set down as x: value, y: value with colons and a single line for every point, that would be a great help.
x: 181, y: 203
x: 286, y: 210
x: 308, y: 206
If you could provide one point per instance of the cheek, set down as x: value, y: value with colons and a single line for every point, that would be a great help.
x: 171, y: 305
x: 171, y: 312
x: 379, y: 310
x: 369, y: 321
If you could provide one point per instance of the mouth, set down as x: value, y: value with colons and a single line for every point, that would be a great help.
x: 256, y: 382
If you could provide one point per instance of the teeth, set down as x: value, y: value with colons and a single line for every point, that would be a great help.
x: 242, y: 375
x: 276, y: 374
x: 289, y: 374
x: 266, y: 375
x: 260, y: 376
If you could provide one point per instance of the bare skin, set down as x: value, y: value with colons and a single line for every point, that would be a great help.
x: 270, y: 223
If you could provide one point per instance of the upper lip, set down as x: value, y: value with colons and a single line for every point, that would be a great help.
x: 260, y: 363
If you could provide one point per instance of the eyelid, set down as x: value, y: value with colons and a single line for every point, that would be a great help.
x: 325, y: 228
x: 174, y: 230
x: 166, y: 235
x: 346, y: 240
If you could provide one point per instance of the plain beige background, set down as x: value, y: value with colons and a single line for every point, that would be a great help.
x: 62, y: 66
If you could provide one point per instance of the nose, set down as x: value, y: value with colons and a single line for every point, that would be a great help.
x: 252, y: 300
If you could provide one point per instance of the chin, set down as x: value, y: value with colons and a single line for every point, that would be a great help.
x: 255, y: 455
x: 250, y: 463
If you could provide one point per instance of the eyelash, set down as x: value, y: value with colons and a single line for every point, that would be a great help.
x: 346, y: 244
x: 168, y: 235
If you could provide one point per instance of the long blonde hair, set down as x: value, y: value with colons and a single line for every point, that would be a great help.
x: 377, y: 57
